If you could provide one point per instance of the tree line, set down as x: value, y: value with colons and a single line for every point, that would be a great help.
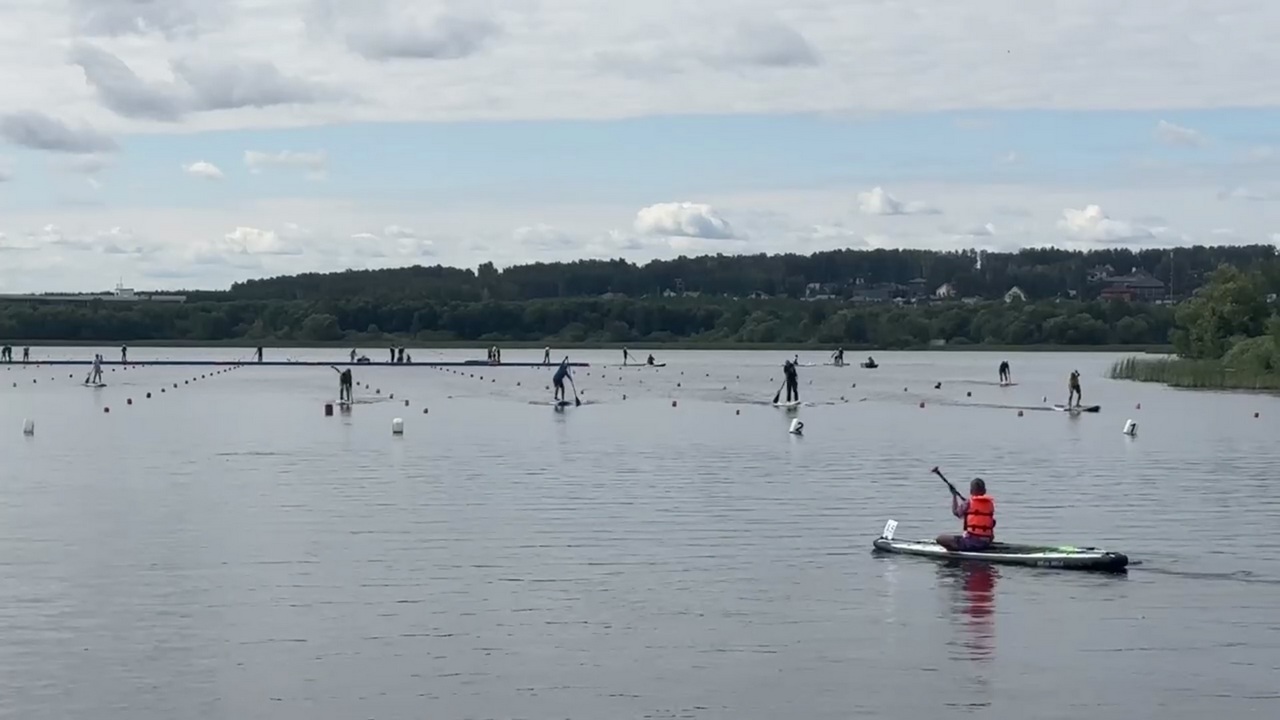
x: 1041, y: 273
x: 594, y: 320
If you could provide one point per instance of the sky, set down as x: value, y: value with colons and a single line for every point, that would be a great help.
x: 190, y: 144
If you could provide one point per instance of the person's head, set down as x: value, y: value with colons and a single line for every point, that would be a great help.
x: 977, y: 487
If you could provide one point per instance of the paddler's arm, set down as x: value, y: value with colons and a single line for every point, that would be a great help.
x: 959, y: 508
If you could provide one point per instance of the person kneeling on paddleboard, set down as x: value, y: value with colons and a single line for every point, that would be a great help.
x: 558, y: 380
x: 979, y: 516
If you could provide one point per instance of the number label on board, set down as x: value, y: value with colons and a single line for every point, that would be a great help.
x: 889, y: 528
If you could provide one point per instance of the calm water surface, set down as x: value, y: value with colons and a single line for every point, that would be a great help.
x: 224, y: 550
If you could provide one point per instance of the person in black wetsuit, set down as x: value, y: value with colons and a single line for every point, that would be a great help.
x: 793, y: 384
x: 344, y: 385
x: 562, y: 372
x: 1005, y: 376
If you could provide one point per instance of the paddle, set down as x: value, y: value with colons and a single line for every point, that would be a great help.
x: 778, y: 395
x: 576, y: 401
x: 953, y: 489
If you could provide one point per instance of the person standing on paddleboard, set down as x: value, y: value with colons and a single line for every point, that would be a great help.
x: 837, y: 358
x: 96, y: 375
x: 979, y: 516
x: 793, y: 384
x: 558, y: 379
x: 344, y: 386
x: 1073, y: 389
x: 1005, y: 376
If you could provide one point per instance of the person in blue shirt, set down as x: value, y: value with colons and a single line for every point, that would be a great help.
x: 558, y: 380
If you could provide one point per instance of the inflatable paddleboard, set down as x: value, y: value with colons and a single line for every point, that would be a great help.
x: 1083, y: 408
x: 95, y: 385
x: 792, y: 404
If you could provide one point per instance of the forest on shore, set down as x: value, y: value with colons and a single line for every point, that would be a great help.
x: 855, y: 298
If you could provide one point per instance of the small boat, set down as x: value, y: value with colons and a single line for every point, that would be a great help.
x: 870, y: 366
x: 1060, y: 557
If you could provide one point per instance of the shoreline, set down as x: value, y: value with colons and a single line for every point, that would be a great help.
x: 383, y: 343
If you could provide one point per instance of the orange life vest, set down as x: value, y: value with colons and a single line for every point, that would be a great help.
x: 980, y: 520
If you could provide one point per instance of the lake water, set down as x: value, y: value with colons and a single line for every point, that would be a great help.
x: 225, y: 550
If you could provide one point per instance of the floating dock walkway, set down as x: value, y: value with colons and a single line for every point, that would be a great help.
x: 300, y: 363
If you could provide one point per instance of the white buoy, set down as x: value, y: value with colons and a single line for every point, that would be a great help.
x: 397, y: 427
x: 1130, y: 428
x: 28, y: 427
x: 797, y: 427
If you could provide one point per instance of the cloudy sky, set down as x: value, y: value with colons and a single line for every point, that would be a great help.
x: 193, y: 143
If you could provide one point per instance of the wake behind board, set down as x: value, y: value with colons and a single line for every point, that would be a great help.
x: 1083, y: 408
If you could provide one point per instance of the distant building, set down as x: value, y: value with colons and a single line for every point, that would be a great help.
x: 1015, y: 294
x: 120, y: 294
x: 945, y: 291
x: 1101, y: 273
x: 758, y: 295
x: 918, y: 288
x: 1136, y: 287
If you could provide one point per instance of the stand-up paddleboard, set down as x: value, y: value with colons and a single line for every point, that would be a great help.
x: 1008, y: 384
x: 561, y: 403
x: 835, y: 364
x: 1083, y: 408
x: 791, y: 404
x: 95, y: 385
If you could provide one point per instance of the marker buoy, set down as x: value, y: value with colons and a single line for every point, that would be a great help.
x: 1130, y: 428
x: 406, y: 403
x: 148, y: 396
x: 922, y: 404
x: 397, y: 426
x: 1138, y: 406
x: 673, y: 403
x: 128, y: 401
x: 737, y: 412
x: 797, y: 427
x: 424, y: 411
x: 328, y: 409
x: 968, y: 393
x: 106, y: 409
x: 1019, y: 413
x: 28, y: 427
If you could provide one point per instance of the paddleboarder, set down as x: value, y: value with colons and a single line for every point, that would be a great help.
x: 1005, y: 376
x: 837, y: 357
x: 650, y: 360
x: 792, y: 382
x: 979, y: 515
x: 1073, y: 389
x: 344, y: 385
x: 562, y: 372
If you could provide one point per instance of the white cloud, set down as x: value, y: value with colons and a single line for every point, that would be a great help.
x: 1170, y: 134
x: 683, y: 219
x: 173, y: 247
x: 1245, y: 193
x: 38, y: 131
x: 204, y: 170
x: 489, y: 60
x: 879, y: 202
x: 1092, y: 225
x: 316, y: 163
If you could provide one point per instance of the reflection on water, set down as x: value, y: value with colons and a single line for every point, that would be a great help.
x: 971, y: 592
